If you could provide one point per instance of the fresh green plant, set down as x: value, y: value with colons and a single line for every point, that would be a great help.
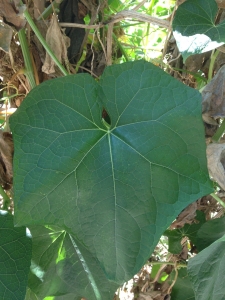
x: 97, y: 196
x: 102, y: 168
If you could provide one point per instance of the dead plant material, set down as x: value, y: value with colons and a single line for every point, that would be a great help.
x: 138, y: 16
x: 70, y: 11
x: 58, y: 42
x: 12, y: 13
x: 39, y: 6
x: 213, y: 104
x: 220, y: 3
x: 216, y: 163
x: 94, y: 62
x: 186, y: 216
x: 6, y: 158
x: 5, y: 36
x: 109, y: 44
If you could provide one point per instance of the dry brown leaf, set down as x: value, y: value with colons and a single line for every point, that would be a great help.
x: 58, y: 43
x: 5, y: 36
x: 12, y: 13
x: 144, y: 296
x: 39, y: 7
x: 220, y: 3
x: 6, y: 157
x: 213, y: 102
x: 17, y: 4
x: 186, y: 216
x: 216, y: 163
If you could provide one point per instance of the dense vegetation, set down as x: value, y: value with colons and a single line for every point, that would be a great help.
x: 111, y: 119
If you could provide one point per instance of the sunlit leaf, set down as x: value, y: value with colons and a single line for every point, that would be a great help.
x: 194, y: 27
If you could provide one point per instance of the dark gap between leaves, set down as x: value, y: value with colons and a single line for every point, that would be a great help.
x: 106, y: 116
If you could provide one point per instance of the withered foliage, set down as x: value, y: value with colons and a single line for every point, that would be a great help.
x: 6, y: 158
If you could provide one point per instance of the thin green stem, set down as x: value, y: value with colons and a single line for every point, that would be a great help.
x: 149, y: 12
x: 167, y: 263
x: 212, y: 62
x: 218, y: 199
x: 10, y: 97
x: 29, y: 71
x: 6, y: 200
x: 49, y: 10
x: 120, y: 47
x: 44, y: 44
x: 217, y: 136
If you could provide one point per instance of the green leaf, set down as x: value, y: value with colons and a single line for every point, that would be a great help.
x: 114, y: 190
x: 182, y: 289
x: 57, y: 270
x: 210, y: 232
x: 15, y: 256
x: 207, y: 271
x: 174, y: 240
x: 191, y: 231
x: 194, y: 27
x: 115, y: 4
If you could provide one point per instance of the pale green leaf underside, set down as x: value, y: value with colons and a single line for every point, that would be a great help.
x: 116, y: 190
x: 194, y: 27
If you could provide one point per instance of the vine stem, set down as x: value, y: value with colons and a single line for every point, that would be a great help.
x: 167, y: 263
x: 212, y: 62
x: 27, y: 58
x: 43, y: 42
x: 218, y: 199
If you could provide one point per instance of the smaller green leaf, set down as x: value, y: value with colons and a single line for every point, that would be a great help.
x: 15, y: 256
x: 210, y: 232
x: 207, y: 271
x: 182, y: 289
x: 115, y: 4
x: 190, y: 231
x: 174, y: 239
x: 194, y: 27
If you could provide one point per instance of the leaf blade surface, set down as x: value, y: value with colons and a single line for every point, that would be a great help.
x: 114, y: 189
x: 194, y: 27
x: 205, y: 271
x: 15, y: 253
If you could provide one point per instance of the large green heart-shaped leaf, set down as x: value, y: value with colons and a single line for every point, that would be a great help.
x: 114, y: 188
x: 194, y: 27
x: 15, y: 256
